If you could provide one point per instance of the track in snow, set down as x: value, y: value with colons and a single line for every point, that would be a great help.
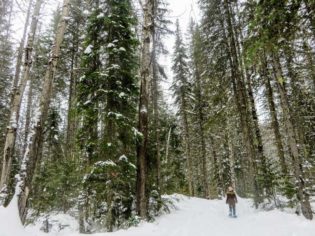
x: 199, y: 217
x: 193, y: 217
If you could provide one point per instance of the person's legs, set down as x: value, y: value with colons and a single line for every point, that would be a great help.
x: 234, y: 211
x: 231, y: 210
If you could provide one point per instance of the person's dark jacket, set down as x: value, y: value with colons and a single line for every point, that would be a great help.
x: 231, y: 198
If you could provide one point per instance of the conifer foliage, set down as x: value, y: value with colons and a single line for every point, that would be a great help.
x: 87, y: 128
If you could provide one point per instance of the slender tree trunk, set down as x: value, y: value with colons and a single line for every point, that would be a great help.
x: 310, y: 62
x: 191, y: 185
x: 28, y: 115
x: 155, y: 100
x: 157, y: 133
x: 8, y: 153
x: 274, y: 119
x: 216, y: 169
x: 36, y: 138
x: 202, y: 136
x: 239, y: 90
x: 298, y: 98
x: 21, y: 47
x: 310, y: 8
x: 246, y: 73
x: 258, y: 140
x: 146, y: 57
x: 71, y: 118
x: 297, y: 161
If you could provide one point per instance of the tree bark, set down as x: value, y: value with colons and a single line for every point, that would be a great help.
x: 191, y: 186
x: 310, y: 8
x: 155, y: 98
x: 239, y: 90
x: 274, y: 119
x: 20, y: 50
x: 216, y: 169
x: 297, y: 160
x: 28, y: 115
x: 201, y: 133
x: 36, y: 138
x: 8, y: 153
x: 71, y: 118
x: 146, y: 57
x: 310, y: 62
x: 246, y: 73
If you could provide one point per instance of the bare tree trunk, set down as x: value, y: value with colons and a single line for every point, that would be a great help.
x: 202, y: 136
x: 191, y: 185
x: 297, y: 161
x: 71, y: 118
x: 20, y: 50
x: 167, y: 148
x: 216, y: 169
x: 240, y: 94
x: 232, y: 160
x: 246, y: 73
x: 28, y: 115
x: 8, y: 153
x: 267, y: 184
x: 310, y: 8
x: 310, y: 61
x: 274, y: 120
x: 146, y: 57
x: 36, y: 138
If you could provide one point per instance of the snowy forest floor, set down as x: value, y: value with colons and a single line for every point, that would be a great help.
x: 193, y: 217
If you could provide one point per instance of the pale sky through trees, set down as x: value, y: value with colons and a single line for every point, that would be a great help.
x: 183, y: 10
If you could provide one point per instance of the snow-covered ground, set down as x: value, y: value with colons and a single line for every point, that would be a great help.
x: 194, y: 217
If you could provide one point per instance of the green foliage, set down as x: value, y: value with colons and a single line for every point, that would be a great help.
x: 107, y: 97
x: 112, y: 185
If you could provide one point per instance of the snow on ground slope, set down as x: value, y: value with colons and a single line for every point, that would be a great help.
x: 197, y: 217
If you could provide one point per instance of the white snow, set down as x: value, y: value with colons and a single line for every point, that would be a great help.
x: 111, y: 45
x: 123, y: 158
x: 88, y: 49
x: 13, y: 119
x: 122, y: 94
x: 193, y: 217
x: 143, y: 109
x: 105, y: 163
x: 101, y: 15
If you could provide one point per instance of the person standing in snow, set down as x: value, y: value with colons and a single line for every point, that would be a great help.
x: 231, y: 199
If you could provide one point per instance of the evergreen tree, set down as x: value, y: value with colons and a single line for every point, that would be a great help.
x: 181, y: 87
x: 107, y: 95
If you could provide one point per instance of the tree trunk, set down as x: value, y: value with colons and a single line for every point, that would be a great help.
x: 20, y: 50
x: 28, y: 115
x: 216, y: 169
x: 246, y: 73
x: 310, y: 8
x: 167, y: 148
x: 156, y: 123
x: 8, y: 153
x: 145, y: 69
x: 297, y: 160
x: 258, y: 140
x: 240, y: 94
x: 274, y: 120
x: 36, y: 138
x: 71, y: 118
x: 232, y: 160
x: 191, y: 185
x: 202, y: 136
x: 310, y: 62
